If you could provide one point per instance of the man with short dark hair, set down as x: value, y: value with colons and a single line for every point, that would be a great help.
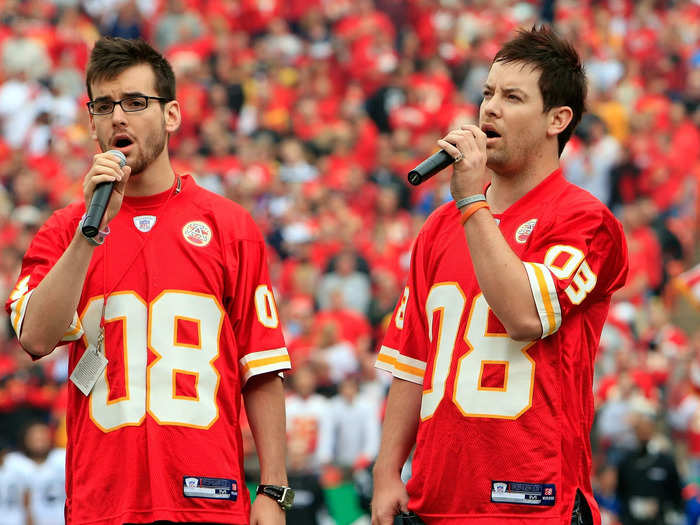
x: 173, y: 293
x: 492, y: 343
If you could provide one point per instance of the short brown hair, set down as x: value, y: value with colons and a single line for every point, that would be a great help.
x: 562, y: 79
x: 112, y: 55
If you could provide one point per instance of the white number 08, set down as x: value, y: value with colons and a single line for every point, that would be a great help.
x: 151, y: 388
x: 469, y: 396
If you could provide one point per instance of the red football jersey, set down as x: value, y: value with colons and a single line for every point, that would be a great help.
x: 504, y: 430
x: 189, y: 317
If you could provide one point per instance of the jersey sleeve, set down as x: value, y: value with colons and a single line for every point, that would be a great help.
x: 403, y: 352
x: 581, y: 259
x: 253, y: 311
x: 46, y: 248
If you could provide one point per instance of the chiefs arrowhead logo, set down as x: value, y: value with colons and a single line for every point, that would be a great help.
x: 524, y: 231
x: 197, y: 233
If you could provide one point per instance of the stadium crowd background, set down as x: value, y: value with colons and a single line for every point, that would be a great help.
x: 309, y: 113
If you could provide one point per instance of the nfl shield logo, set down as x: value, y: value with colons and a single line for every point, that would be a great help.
x: 144, y: 223
x: 191, y: 482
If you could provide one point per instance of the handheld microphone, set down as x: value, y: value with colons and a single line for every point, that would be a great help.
x: 100, y: 198
x: 430, y: 166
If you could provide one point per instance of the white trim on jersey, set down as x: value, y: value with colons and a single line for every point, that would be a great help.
x: 264, y: 361
x: 19, y: 308
x: 75, y: 330
x: 386, y: 359
x: 544, y: 291
x: 400, y: 366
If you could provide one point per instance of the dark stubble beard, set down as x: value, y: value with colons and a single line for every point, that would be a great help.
x: 152, y: 147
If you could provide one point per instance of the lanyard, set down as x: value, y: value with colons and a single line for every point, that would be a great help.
x: 174, y: 190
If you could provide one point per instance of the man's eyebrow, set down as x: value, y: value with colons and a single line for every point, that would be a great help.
x: 507, y: 90
x: 124, y: 95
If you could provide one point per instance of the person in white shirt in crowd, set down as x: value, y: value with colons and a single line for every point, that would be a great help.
x: 590, y: 168
x: 15, y: 473
x: 614, y: 421
x: 354, y: 285
x: 308, y: 419
x: 21, y: 102
x: 47, y: 484
x: 373, y: 385
x: 684, y: 418
x: 355, y: 427
x: 21, y: 52
x: 334, y: 358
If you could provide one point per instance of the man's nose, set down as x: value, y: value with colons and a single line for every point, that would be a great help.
x: 491, y: 106
x: 118, y: 115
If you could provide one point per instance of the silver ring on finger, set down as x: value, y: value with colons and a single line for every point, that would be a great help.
x: 459, y: 157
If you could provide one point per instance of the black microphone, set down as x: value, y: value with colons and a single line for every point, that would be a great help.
x: 100, y: 198
x: 429, y: 167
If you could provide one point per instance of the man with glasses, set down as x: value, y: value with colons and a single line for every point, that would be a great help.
x: 169, y: 317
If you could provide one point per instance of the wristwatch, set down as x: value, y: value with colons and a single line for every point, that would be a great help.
x: 284, y: 496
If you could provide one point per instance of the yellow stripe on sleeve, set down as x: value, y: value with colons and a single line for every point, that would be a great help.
x: 18, y: 314
x: 386, y: 359
x: 400, y: 366
x: 412, y: 370
x: 75, y: 330
x: 264, y: 361
x: 259, y: 363
x: 546, y: 300
x: 544, y: 291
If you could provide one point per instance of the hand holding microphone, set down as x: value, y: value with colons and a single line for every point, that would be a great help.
x: 466, y: 148
x: 108, y: 172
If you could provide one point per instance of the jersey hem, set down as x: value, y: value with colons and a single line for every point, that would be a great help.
x: 489, y: 519
x: 148, y: 516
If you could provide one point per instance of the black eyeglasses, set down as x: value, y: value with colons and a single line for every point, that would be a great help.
x: 128, y: 104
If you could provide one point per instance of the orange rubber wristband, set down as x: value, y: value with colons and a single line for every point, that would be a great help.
x: 471, y: 209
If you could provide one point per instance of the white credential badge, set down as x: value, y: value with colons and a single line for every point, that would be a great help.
x: 89, y: 368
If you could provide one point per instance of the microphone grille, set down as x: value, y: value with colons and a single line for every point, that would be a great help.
x: 119, y: 155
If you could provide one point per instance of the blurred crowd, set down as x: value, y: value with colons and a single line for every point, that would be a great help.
x: 309, y: 113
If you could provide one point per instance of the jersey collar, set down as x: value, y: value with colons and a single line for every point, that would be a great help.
x: 151, y: 201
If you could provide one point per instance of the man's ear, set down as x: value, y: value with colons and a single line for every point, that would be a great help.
x: 559, y: 118
x: 173, y: 118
